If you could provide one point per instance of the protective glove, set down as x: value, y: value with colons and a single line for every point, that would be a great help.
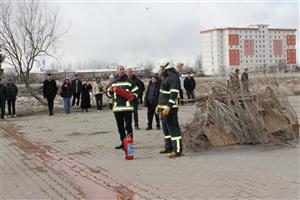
x: 166, y: 111
x: 157, y: 110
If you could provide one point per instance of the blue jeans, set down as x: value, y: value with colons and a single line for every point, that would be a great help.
x: 67, y: 105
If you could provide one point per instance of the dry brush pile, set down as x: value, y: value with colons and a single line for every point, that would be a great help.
x: 225, y: 117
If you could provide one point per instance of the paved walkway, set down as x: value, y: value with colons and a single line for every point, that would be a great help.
x: 87, y: 140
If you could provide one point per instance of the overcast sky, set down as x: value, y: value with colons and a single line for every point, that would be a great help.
x: 129, y: 33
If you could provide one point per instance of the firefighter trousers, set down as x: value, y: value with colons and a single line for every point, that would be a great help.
x: 124, y: 123
x: 172, y: 131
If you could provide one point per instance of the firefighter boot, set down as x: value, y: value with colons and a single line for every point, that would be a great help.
x: 177, y: 148
x: 168, y: 146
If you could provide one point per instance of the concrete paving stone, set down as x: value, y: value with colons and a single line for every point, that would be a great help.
x: 233, y: 173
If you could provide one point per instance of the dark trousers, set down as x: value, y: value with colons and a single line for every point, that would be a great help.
x: 11, y: 103
x: 50, y: 101
x: 150, y: 113
x: 2, y: 105
x: 135, y: 112
x: 76, y: 96
x: 98, y: 98
x: 172, y: 131
x: 124, y: 121
x: 190, y: 94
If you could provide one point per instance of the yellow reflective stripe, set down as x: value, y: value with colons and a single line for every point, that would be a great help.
x: 127, y: 103
x: 121, y: 84
x: 177, y: 142
x: 164, y: 106
x: 176, y: 138
x: 164, y: 91
x: 123, y: 108
x: 171, y: 101
x: 109, y: 94
x: 115, y: 105
x: 135, y: 89
x: 115, y: 95
x: 167, y: 136
x: 174, y: 90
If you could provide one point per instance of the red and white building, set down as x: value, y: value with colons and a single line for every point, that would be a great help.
x: 224, y: 49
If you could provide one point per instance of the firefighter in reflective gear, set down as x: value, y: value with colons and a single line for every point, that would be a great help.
x: 122, y: 107
x: 168, y: 108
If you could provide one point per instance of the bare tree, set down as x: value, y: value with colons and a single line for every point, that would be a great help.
x: 29, y: 32
x: 1, y: 61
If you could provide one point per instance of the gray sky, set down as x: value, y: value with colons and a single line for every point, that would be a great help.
x: 129, y: 33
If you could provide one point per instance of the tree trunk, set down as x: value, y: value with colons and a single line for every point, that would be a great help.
x: 35, y: 95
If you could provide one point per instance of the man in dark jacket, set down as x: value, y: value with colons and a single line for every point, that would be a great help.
x: 141, y: 87
x: 2, y: 98
x: 49, y: 92
x: 76, y: 89
x: 189, y: 85
x: 151, y: 100
x: 122, y: 107
x: 168, y: 107
x: 11, y: 95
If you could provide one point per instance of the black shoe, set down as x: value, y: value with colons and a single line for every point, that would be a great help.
x: 158, y: 127
x: 137, y: 128
x: 50, y: 114
x: 120, y: 147
x: 149, y: 128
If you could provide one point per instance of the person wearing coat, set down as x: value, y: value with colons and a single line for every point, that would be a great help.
x: 49, y: 92
x: 11, y: 95
x: 2, y: 98
x: 151, y: 101
x: 135, y: 80
x: 76, y: 85
x: 98, y: 93
x: 85, y: 97
x: 189, y: 85
x: 66, y: 94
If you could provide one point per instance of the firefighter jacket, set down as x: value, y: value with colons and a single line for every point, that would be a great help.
x: 120, y: 104
x: 169, y: 89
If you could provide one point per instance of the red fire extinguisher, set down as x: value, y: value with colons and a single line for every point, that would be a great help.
x: 123, y: 93
x: 128, y: 145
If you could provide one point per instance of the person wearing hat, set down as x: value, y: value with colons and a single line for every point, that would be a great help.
x: 2, y: 98
x: 66, y: 94
x: 151, y: 100
x: 12, y: 92
x: 168, y: 108
x: 76, y: 89
x: 245, y: 81
x: 49, y: 91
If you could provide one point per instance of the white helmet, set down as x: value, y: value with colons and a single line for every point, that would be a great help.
x: 166, y: 62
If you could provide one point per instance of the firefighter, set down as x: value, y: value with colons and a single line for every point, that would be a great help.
x: 122, y: 107
x: 168, y: 108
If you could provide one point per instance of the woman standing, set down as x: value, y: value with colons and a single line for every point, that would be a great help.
x: 85, y: 97
x: 66, y: 93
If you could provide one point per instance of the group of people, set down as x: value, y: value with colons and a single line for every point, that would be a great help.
x: 237, y: 85
x: 161, y: 99
x: 75, y: 89
x: 8, y: 93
